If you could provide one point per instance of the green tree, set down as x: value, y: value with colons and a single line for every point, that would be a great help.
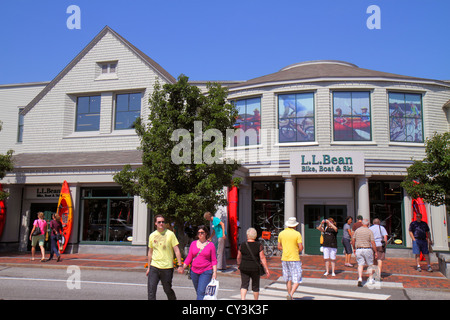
x: 430, y: 178
x: 179, y: 117
x: 6, y: 165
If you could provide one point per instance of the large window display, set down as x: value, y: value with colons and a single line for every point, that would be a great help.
x: 107, y: 215
x: 351, y: 120
x: 296, y: 117
x: 405, y: 117
x: 248, y: 122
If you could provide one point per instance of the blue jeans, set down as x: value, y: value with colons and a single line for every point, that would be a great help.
x: 201, y: 281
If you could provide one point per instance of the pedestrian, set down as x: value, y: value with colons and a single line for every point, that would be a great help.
x: 39, y: 238
x: 380, y: 234
x: 358, y: 223
x: 202, y: 255
x: 55, y: 236
x: 363, y: 243
x: 420, y: 235
x: 162, y: 243
x: 329, y: 229
x: 218, y: 229
x: 347, y: 241
x: 290, y: 243
x: 251, y: 259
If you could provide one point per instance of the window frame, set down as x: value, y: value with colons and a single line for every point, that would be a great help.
x: 245, y: 122
x: 352, y: 117
x: 77, y: 114
x: 295, y: 119
x: 405, y: 117
x: 116, y: 112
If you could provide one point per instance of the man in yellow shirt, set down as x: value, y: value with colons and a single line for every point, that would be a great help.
x: 290, y: 242
x: 162, y: 243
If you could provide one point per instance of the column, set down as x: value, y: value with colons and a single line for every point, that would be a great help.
x: 289, y: 198
x: 363, y: 197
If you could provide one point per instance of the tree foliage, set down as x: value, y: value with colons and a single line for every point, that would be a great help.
x: 430, y: 178
x: 183, y: 191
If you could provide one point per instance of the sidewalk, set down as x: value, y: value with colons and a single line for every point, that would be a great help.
x: 396, y: 270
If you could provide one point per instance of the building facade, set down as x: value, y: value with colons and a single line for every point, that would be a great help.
x: 316, y: 139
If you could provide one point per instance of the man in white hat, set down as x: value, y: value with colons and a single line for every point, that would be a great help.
x: 290, y: 242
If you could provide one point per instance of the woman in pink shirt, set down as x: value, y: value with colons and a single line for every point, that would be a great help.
x: 202, y: 254
x: 40, y: 238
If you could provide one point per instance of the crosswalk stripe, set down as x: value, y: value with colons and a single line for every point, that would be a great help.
x: 277, y: 291
x: 340, y: 293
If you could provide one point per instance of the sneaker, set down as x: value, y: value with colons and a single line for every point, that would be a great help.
x: 325, y: 274
x: 430, y: 269
x: 360, y: 283
x: 419, y: 269
x: 333, y: 274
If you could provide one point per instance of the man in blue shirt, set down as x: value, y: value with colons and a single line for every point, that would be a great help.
x: 218, y: 228
x: 420, y: 235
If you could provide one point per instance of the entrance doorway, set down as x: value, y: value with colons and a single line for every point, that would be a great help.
x: 48, y: 209
x: 314, y: 214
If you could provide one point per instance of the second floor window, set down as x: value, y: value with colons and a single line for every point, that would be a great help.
x: 128, y: 109
x: 248, y: 122
x: 88, y: 114
x: 405, y: 117
x: 296, y: 117
x: 351, y: 116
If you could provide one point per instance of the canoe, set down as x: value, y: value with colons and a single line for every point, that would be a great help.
x: 65, y: 211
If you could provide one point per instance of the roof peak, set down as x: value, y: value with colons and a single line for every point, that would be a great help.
x: 305, y: 63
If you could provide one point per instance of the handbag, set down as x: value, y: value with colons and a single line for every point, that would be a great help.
x: 37, y: 231
x: 383, y: 243
x: 211, y: 290
x: 261, y: 268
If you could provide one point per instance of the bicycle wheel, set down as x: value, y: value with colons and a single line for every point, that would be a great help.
x: 268, y: 250
x: 277, y: 221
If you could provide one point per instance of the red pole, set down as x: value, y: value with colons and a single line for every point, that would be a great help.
x: 232, y: 219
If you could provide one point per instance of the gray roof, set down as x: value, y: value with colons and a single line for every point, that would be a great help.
x: 322, y: 70
x: 91, y: 44
x: 77, y: 159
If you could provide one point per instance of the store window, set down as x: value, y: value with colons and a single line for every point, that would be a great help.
x: 248, y: 122
x: 351, y: 116
x: 107, y: 215
x: 296, y: 117
x: 88, y: 114
x: 405, y: 117
x: 128, y: 109
x: 386, y: 204
x: 268, y: 206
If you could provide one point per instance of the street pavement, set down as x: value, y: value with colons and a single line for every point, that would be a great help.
x: 397, y: 273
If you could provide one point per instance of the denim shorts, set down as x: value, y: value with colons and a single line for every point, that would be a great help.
x: 420, y: 246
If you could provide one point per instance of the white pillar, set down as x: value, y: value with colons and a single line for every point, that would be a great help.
x: 363, y: 197
x: 289, y: 198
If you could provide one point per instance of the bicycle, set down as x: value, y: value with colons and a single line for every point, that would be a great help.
x: 269, y: 241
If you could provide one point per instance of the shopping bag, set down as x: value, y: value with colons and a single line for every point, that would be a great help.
x: 211, y: 290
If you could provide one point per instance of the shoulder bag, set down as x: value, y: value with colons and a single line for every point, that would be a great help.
x: 37, y: 230
x: 261, y: 268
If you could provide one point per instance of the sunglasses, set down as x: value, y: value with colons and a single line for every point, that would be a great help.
x: 158, y: 222
x: 201, y: 232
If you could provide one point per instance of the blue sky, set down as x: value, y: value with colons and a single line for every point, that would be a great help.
x: 230, y: 40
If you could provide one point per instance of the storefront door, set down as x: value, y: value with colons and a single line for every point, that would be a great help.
x: 314, y: 214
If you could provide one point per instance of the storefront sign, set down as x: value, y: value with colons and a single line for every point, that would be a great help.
x: 329, y: 163
x: 42, y: 192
